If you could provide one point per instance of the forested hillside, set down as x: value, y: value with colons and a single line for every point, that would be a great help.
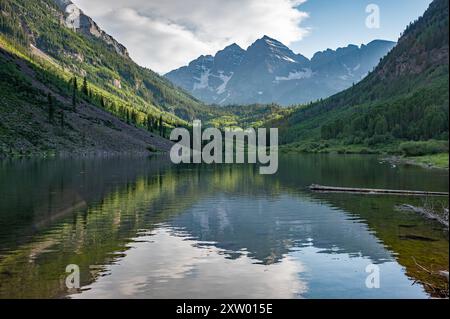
x: 42, y: 115
x: 57, y: 81
x: 404, y: 99
x: 41, y: 26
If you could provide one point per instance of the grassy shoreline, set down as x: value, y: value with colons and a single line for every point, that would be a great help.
x: 440, y: 161
x: 428, y: 154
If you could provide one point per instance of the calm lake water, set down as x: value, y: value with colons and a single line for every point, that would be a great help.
x: 143, y: 228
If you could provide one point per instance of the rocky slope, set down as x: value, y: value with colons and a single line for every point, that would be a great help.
x: 74, y: 18
x: 25, y: 128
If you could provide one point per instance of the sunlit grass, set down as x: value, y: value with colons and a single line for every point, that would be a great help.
x: 436, y: 160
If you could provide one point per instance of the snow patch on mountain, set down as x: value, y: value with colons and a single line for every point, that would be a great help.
x: 274, y: 44
x: 203, y: 81
x: 221, y: 88
x: 268, y: 71
x: 286, y: 58
x: 225, y: 99
x: 297, y: 75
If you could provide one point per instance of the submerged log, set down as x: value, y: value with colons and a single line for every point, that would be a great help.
x: 427, y: 212
x: 331, y: 189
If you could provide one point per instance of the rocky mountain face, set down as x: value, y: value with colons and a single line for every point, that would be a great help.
x: 74, y: 18
x: 268, y: 71
x: 423, y: 45
x: 208, y: 76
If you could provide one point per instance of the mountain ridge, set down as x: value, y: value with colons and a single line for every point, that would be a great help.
x: 270, y: 72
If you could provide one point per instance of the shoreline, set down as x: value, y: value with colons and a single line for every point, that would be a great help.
x: 81, y: 154
x: 420, y: 161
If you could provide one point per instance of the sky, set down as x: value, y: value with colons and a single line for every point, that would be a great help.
x: 166, y: 34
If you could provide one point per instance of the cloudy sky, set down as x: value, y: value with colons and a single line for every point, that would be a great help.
x: 167, y: 34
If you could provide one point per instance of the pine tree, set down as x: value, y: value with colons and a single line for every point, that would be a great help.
x: 51, y: 108
x: 134, y: 117
x: 74, y: 94
x: 85, y: 87
x: 161, y: 126
x: 149, y: 123
x: 381, y: 125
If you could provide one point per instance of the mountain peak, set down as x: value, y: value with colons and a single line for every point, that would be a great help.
x: 268, y: 43
x: 378, y: 43
x: 271, y: 41
x: 202, y: 60
x: 63, y: 3
x: 233, y: 46
x: 268, y: 71
x: 82, y: 23
x: 266, y: 37
x: 233, y: 49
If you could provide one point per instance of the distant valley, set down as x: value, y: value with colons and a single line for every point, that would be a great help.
x: 62, y: 74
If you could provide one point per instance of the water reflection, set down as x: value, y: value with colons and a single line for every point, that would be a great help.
x: 269, y: 228
x: 142, y: 228
x: 168, y: 265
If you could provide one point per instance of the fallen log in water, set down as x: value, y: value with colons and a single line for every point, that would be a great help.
x: 331, y: 189
x: 427, y: 212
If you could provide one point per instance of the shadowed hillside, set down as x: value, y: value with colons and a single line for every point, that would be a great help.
x: 404, y: 99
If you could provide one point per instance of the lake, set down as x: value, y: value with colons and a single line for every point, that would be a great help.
x: 144, y: 228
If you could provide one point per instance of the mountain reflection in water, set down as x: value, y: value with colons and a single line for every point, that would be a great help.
x: 142, y: 228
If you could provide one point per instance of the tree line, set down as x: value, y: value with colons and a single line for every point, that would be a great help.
x: 419, y: 117
x: 81, y: 95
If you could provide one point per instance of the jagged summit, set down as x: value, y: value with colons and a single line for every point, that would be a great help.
x: 232, y: 47
x: 269, y: 39
x: 269, y: 71
x: 74, y: 18
x: 268, y: 43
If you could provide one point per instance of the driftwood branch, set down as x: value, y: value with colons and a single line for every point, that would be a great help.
x: 427, y: 212
x: 441, y: 291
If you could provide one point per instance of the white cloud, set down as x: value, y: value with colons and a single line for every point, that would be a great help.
x: 160, y: 263
x: 164, y: 35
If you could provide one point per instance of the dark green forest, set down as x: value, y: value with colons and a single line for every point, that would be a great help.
x: 405, y: 98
